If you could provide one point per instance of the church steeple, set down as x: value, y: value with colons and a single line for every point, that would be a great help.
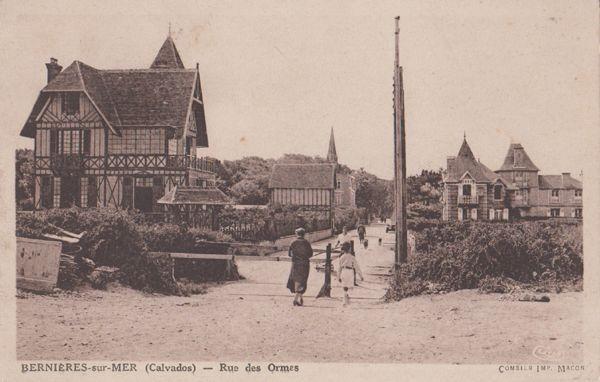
x: 332, y: 154
x: 168, y: 56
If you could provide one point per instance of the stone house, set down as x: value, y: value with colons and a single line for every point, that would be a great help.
x: 473, y: 191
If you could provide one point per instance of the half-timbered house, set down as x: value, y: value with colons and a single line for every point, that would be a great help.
x: 306, y: 186
x: 119, y: 138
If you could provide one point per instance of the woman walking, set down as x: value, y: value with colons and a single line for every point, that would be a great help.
x: 300, y: 251
x: 348, y: 265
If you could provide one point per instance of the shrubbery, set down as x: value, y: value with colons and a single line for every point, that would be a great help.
x: 452, y: 256
x: 256, y: 224
x: 113, y: 238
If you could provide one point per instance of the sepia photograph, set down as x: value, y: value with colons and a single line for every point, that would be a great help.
x: 222, y: 189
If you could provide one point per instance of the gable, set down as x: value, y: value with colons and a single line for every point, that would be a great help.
x: 53, y: 115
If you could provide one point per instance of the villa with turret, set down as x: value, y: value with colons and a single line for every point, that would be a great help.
x: 474, y: 192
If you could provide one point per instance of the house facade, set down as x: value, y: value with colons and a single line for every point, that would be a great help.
x: 119, y: 138
x: 474, y: 192
x: 310, y: 187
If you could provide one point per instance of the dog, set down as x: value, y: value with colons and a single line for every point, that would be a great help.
x: 366, y: 243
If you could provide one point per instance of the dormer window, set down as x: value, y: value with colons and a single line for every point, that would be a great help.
x: 70, y: 103
x: 555, y: 193
x: 578, y: 193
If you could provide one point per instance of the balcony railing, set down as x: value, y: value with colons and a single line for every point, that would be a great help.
x: 468, y: 199
x: 70, y: 163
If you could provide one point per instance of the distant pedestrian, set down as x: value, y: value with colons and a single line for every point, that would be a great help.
x: 348, y: 265
x: 300, y: 251
x: 380, y: 241
x: 362, y: 232
x: 366, y: 243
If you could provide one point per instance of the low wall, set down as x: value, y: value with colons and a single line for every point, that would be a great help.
x: 285, y: 241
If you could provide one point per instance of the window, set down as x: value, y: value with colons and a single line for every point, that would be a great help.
x: 46, y: 192
x: 127, y: 198
x: 466, y: 189
x: 189, y: 142
x: 143, y: 182
x: 518, y: 175
x: 555, y: 193
x: 339, y: 184
x: 70, y: 103
x: 53, y: 141
x: 497, y: 192
x: 578, y: 193
x: 578, y: 213
x: 555, y: 212
x: 86, y: 142
x: 92, y: 192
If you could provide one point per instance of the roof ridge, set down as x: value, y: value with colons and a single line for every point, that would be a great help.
x: 149, y: 70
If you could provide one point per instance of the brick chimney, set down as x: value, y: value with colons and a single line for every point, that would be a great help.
x: 450, y: 166
x: 53, y: 68
x: 564, y: 176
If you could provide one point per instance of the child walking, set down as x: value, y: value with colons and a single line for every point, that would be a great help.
x: 348, y: 265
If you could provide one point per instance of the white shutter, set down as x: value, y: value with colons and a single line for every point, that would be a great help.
x: 491, y: 214
x: 573, y: 213
x: 505, y: 214
x: 474, y: 214
x: 83, y: 191
x: 56, y: 198
x: 562, y: 213
x: 548, y: 213
x: 460, y: 214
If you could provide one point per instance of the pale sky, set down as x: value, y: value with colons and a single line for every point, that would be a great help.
x: 277, y: 75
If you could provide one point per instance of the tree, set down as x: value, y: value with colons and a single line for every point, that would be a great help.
x: 24, y: 182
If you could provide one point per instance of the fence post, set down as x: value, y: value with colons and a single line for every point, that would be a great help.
x: 326, y: 289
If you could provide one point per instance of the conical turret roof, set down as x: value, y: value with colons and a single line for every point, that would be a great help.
x: 167, y: 57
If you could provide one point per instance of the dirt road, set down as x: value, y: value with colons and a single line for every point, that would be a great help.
x: 254, y: 320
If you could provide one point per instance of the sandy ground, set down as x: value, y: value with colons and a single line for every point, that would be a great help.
x: 254, y: 320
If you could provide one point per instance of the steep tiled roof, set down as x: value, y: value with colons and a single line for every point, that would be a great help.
x: 167, y: 57
x: 564, y: 181
x: 137, y: 97
x: 465, y: 151
x: 67, y: 80
x: 149, y: 97
x: 520, y: 162
x: 194, y: 195
x: 465, y: 162
x: 312, y: 175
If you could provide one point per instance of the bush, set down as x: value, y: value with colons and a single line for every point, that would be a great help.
x: 471, y: 254
x: 113, y: 238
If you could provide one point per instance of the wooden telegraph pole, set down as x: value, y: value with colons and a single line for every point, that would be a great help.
x: 399, y: 158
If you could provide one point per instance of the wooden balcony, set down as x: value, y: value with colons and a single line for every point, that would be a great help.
x: 70, y: 164
x: 468, y: 199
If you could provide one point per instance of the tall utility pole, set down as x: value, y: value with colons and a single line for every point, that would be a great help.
x: 399, y: 158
